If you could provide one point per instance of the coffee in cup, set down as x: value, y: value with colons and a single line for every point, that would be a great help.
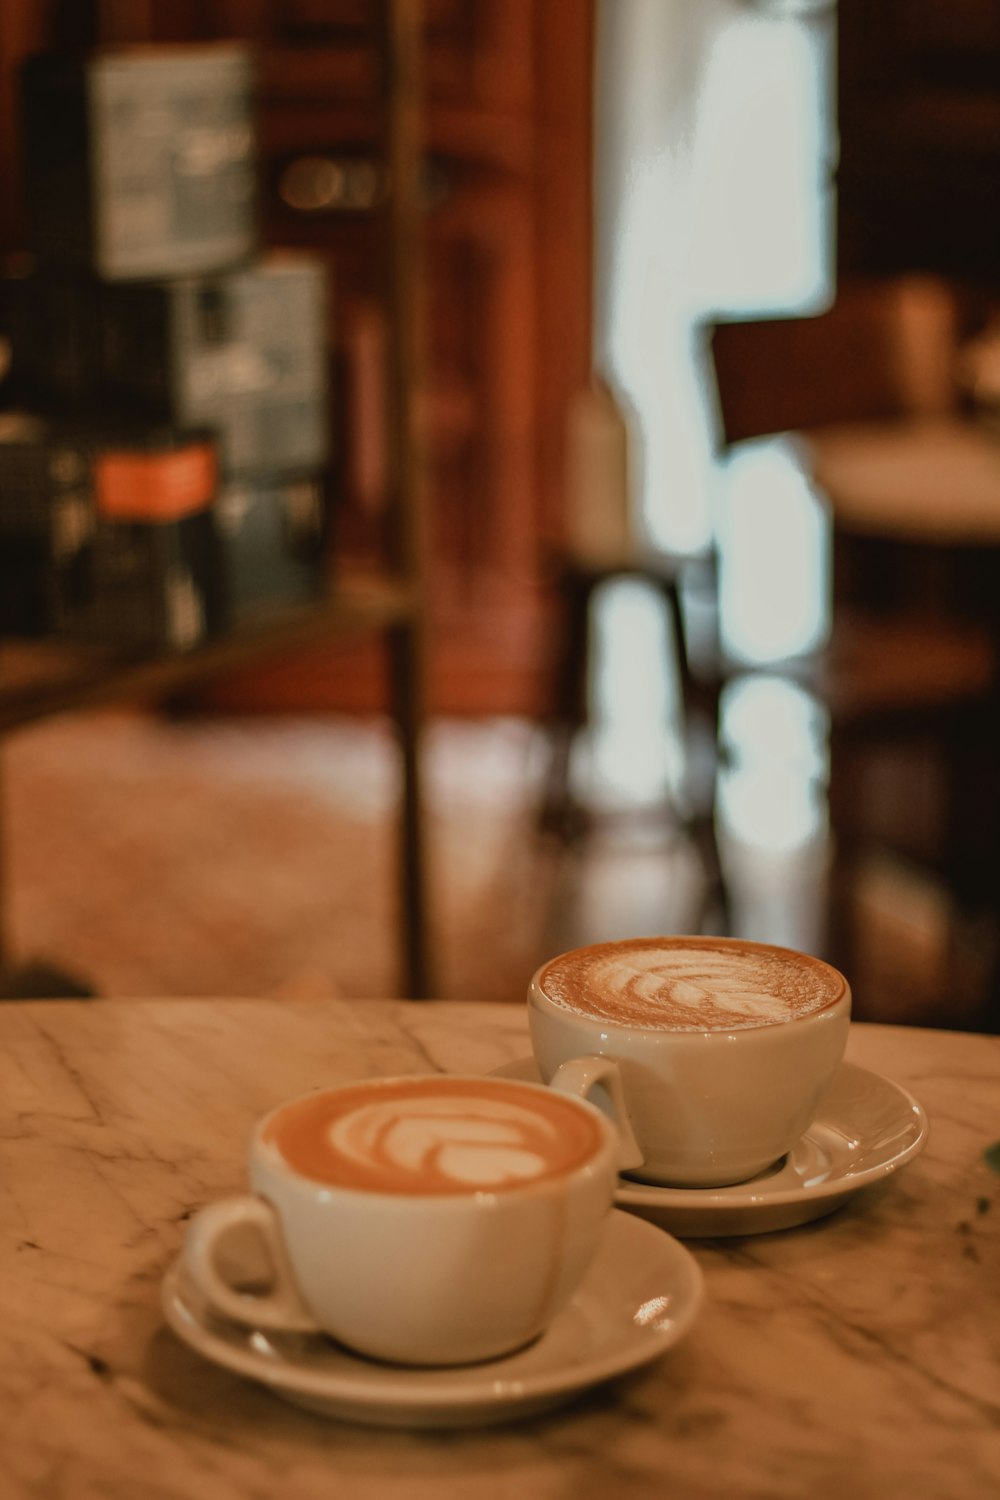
x: 720, y: 1050
x: 423, y: 1220
x: 406, y: 1137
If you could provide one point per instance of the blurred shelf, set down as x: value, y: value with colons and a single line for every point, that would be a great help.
x: 40, y: 678
x: 44, y: 677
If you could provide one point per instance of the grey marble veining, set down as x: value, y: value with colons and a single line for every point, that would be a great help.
x: 858, y: 1355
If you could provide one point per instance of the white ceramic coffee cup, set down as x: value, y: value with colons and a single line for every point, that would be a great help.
x: 444, y: 1278
x: 708, y: 1107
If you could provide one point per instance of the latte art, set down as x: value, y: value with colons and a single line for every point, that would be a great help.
x: 452, y: 1141
x: 432, y: 1136
x: 690, y: 984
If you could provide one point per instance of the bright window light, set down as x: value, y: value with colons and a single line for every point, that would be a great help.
x: 774, y: 546
x: 762, y: 204
x: 636, y: 749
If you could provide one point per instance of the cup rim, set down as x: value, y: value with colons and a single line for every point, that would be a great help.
x: 260, y: 1150
x: 538, y: 996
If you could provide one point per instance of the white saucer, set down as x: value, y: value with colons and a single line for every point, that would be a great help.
x: 867, y: 1127
x: 639, y: 1296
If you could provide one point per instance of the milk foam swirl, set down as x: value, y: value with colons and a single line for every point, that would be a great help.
x: 437, y: 1136
x: 690, y: 984
x: 484, y: 1142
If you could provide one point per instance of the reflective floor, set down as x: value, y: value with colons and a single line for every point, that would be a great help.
x: 257, y: 857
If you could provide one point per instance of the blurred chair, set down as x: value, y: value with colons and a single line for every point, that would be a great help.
x: 692, y: 815
x: 598, y: 550
x: 911, y: 659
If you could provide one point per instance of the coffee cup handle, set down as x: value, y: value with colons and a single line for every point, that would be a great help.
x: 579, y: 1076
x: 280, y: 1307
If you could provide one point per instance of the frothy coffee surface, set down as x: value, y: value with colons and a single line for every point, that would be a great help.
x: 690, y: 984
x: 433, y: 1135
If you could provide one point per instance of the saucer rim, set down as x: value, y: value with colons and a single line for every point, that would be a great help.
x: 740, y: 1196
x: 361, y: 1383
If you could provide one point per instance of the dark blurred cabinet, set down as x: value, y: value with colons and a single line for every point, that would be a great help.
x: 41, y: 678
x: 504, y: 300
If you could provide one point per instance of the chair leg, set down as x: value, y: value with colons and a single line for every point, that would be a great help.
x: 698, y: 814
x: 841, y: 938
x: 560, y: 812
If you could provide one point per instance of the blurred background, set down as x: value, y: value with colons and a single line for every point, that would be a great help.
x: 477, y: 478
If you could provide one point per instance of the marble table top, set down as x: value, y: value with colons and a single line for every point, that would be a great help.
x: 857, y: 1355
